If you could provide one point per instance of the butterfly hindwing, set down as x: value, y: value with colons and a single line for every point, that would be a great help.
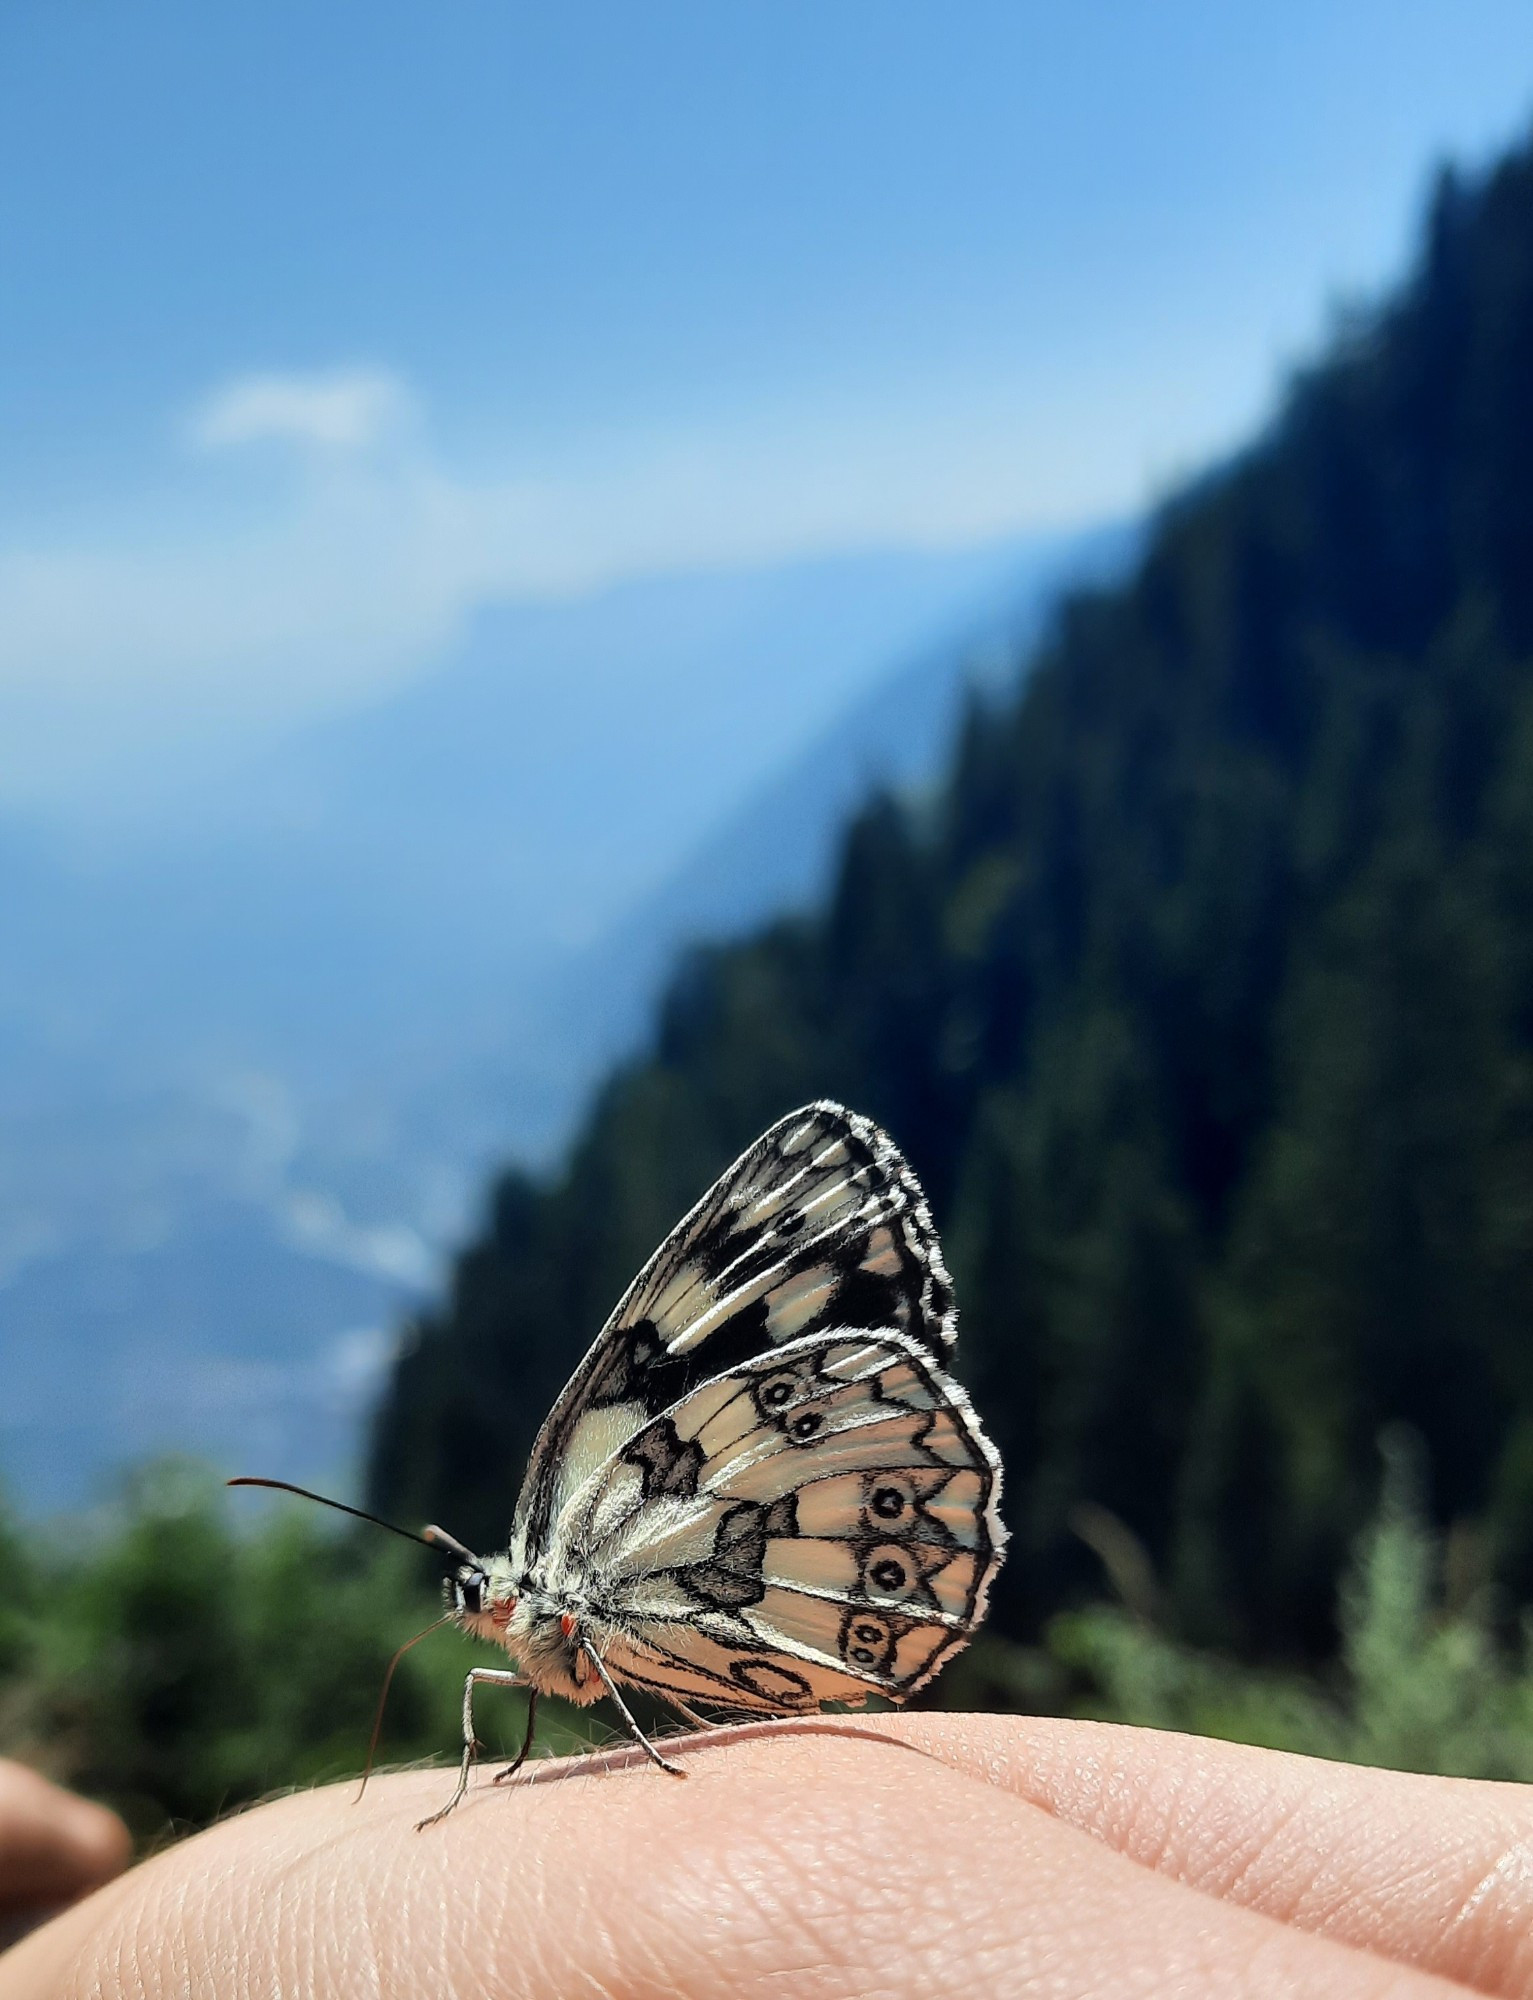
x: 819, y: 1524
x: 820, y: 1223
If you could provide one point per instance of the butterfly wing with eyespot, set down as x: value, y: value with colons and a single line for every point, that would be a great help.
x: 820, y: 1524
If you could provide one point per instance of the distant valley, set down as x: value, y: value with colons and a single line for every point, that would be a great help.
x: 257, y: 1058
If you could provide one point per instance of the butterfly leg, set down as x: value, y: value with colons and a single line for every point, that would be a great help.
x: 689, y: 1714
x: 495, y: 1677
x: 654, y: 1756
x: 521, y: 1755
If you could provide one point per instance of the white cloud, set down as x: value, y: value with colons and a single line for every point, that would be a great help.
x: 316, y: 1223
x: 246, y: 606
x: 344, y: 408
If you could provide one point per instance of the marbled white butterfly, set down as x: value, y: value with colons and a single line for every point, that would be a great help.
x: 760, y: 1491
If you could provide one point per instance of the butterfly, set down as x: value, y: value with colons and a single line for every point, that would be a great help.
x: 761, y: 1491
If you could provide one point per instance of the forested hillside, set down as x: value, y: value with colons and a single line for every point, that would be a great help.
x: 1201, y: 999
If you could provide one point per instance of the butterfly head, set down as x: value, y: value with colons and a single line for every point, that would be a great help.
x: 481, y: 1596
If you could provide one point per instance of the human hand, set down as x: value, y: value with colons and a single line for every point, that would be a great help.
x: 913, y: 1855
x: 53, y: 1846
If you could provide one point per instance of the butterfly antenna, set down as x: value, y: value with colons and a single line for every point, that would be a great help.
x: 438, y: 1538
x: 433, y: 1537
x: 383, y: 1696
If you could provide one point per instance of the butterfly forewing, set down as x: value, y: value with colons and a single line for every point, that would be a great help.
x: 820, y: 1224
x: 819, y: 1524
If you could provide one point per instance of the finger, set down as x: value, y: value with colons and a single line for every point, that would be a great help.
x: 816, y: 1865
x: 1437, y: 1872
x: 53, y: 1846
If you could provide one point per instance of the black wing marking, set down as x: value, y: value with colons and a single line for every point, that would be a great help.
x: 820, y: 1224
x: 839, y: 1530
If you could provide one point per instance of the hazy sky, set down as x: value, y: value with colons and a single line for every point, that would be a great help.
x: 323, y: 321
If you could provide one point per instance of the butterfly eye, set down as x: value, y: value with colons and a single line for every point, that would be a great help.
x: 805, y: 1426
x: 468, y: 1592
x: 889, y: 1574
x: 777, y: 1392
x: 888, y: 1503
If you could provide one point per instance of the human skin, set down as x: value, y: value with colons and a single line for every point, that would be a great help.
x: 900, y: 1856
x: 53, y: 1846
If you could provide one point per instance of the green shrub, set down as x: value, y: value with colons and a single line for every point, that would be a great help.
x: 177, y: 1669
x: 1423, y: 1680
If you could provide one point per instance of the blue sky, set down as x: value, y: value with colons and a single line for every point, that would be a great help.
x: 322, y: 324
